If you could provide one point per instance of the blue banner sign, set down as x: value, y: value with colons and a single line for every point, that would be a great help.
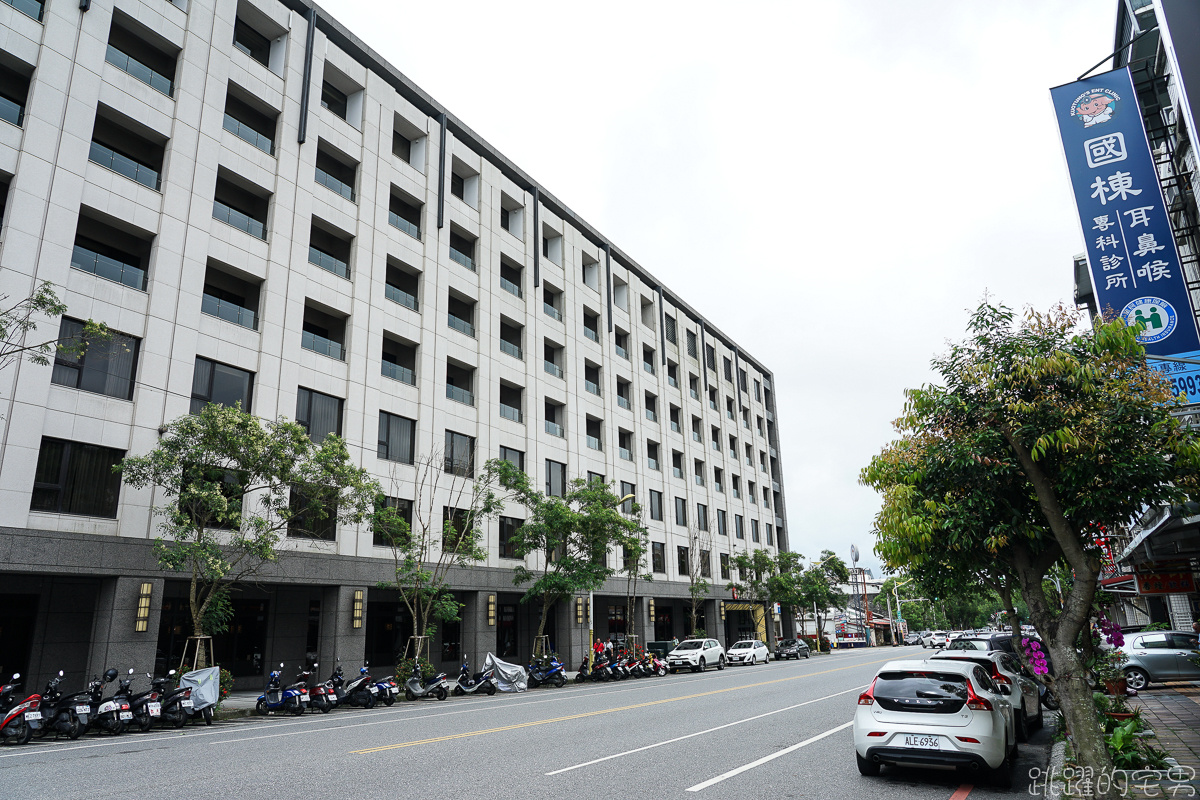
x: 1131, y: 250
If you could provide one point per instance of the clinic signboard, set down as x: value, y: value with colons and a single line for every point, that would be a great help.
x: 1131, y: 250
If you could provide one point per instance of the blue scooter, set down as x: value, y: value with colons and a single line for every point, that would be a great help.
x: 548, y: 670
x: 293, y: 700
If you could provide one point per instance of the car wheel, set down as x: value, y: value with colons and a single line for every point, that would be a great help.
x: 1040, y: 722
x: 1136, y: 678
x: 807, y: 653
x: 1021, y: 725
x: 1002, y: 776
x: 865, y: 767
x: 720, y: 663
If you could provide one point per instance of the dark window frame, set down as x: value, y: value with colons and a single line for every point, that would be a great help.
x: 67, y: 500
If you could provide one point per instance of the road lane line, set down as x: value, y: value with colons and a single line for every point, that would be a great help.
x: 710, y: 730
x: 962, y: 792
x: 608, y: 710
x: 734, y: 772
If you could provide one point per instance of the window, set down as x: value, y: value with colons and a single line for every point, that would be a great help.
x: 681, y: 555
x: 251, y: 42
x: 511, y: 402
x: 658, y: 557
x: 323, y: 333
x: 510, y: 277
x: 130, y: 52
x: 460, y: 454
x: 656, y: 505
x: 738, y: 530
x: 462, y: 250
x: 396, y: 437
x: 103, y: 368
x: 238, y: 206
x: 722, y: 527
x: 329, y: 249
x: 595, y: 477
x: 669, y: 327
x: 681, y: 511
x: 398, y: 360
x: 250, y: 124
x: 728, y: 364
x: 401, y: 286
x: 702, y: 516
x: 222, y: 384
x: 698, y: 468
x: 594, y: 433
x: 460, y: 382
x: 754, y: 530
x: 405, y: 213
x: 652, y: 456
x: 460, y: 524
x: 14, y: 93
x: 116, y: 146
x: 336, y: 172
x: 512, y: 456
x: 770, y: 535
x: 311, y: 518
x: 110, y: 253
x: 591, y: 326
x: 556, y: 479
x: 757, y: 390
x: 705, y: 563
x: 591, y: 273
x: 552, y: 246
x: 334, y: 99
x: 626, y: 490
x: 742, y: 379
x: 319, y: 414
x: 509, y: 526
x: 724, y: 566
x: 76, y: 478
x: 710, y: 357
x: 381, y: 536
x: 461, y: 315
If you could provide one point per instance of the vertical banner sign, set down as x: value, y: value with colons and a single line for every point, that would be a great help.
x: 1131, y: 251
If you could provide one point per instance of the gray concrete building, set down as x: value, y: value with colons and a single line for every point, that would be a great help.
x: 267, y: 211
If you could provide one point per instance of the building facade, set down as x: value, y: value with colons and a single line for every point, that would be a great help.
x: 267, y: 211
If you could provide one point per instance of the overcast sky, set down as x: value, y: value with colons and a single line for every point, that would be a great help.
x: 835, y: 185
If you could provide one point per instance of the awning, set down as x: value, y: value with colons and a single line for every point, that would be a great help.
x: 1173, y: 537
x: 1120, y: 584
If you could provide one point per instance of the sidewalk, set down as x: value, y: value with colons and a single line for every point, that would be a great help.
x: 1172, y: 711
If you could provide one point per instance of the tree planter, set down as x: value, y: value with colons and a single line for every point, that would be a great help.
x: 1119, y: 715
x: 1116, y: 687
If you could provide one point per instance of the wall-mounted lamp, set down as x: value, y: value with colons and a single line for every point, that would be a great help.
x: 142, y: 621
x: 491, y: 610
x: 356, y: 612
x: 652, y: 609
x: 578, y: 610
x: 722, y: 611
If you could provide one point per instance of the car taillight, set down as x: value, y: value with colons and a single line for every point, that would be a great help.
x: 975, y: 702
x: 997, y: 677
x: 877, y: 733
x: 967, y: 739
x: 867, y: 698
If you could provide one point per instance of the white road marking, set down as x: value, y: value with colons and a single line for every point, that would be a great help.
x: 733, y: 772
x: 701, y: 733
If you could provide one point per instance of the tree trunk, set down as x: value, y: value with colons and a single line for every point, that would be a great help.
x: 1078, y: 709
x: 546, y: 603
x: 197, y: 609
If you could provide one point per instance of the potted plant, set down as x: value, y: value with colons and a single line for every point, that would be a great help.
x: 1106, y: 667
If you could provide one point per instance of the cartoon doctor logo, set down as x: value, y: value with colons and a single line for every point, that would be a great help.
x: 1154, y: 317
x: 1095, y: 106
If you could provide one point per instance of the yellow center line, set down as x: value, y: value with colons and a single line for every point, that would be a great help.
x: 609, y: 710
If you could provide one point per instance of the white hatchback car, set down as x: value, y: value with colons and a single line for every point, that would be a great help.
x: 1005, y: 668
x: 696, y: 655
x: 945, y: 714
x: 748, y: 651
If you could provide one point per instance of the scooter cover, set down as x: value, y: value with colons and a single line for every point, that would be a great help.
x: 509, y: 677
x: 206, y: 686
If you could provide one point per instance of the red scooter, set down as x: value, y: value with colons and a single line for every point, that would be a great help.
x: 21, y: 719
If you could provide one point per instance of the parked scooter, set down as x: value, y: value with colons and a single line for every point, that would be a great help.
x: 146, y: 706
x: 111, y: 713
x: 417, y: 686
x: 479, y: 682
x: 361, y: 691
x: 18, y: 719
x: 319, y: 696
x: 292, y: 700
x: 548, y: 669
x: 176, y: 704
x: 387, y: 690
x: 61, y: 714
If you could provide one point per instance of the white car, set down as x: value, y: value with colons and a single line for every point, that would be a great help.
x: 748, y: 651
x: 936, y: 713
x: 934, y: 639
x: 1004, y: 668
x: 696, y: 655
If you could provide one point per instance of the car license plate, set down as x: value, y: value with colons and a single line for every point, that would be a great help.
x: 126, y: 715
x: 923, y: 741
x: 155, y: 709
x: 83, y: 709
x: 33, y: 715
x: 186, y: 703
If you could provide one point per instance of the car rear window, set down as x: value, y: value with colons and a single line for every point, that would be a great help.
x: 926, y: 692
x: 968, y: 644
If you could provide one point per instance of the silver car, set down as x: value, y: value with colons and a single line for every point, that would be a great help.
x: 1159, y: 656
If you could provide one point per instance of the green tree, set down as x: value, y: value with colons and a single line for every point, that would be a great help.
x: 20, y: 320
x: 569, y: 538
x: 448, y: 512
x: 699, y: 575
x: 785, y: 584
x: 634, y: 566
x: 233, y: 485
x: 820, y: 589
x: 755, y: 570
x: 1040, y: 433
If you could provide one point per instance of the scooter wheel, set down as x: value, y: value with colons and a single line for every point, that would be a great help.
x: 533, y: 682
x: 326, y: 707
x: 408, y: 695
x: 580, y: 678
x: 491, y: 689
x: 458, y: 691
x: 260, y: 708
x: 441, y: 693
x: 387, y: 701
x: 559, y: 680
x: 143, y: 723
x: 76, y: 728
x: 208, y: 716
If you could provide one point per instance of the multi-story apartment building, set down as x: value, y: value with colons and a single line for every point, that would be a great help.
x: 267, y: 211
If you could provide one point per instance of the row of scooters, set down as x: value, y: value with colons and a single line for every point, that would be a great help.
x: 72, y: 715
x: 621, y: 665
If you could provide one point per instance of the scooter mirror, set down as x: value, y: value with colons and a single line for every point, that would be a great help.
x: 16, y: 675
x: 131, y: 670
x: 60, y: 673
x: 281, y: 665
x: 315, y: 665
x: 148, y: 675
x: 171, y: 672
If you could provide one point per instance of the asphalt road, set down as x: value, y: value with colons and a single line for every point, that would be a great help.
x: 779, y: 730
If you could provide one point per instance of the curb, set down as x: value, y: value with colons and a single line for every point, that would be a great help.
x: 1058, y: 755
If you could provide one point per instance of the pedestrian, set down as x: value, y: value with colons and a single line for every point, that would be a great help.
x: 1196, y: 626
x: 608, y: 648
x: 598, y: 648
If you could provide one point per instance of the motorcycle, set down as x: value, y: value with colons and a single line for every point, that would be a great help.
x: 18, y: 720
x: 176, y: 704
x: 416, y: 686
x: 146, y: 707
x: 548, y: 669
x: 111, y: 713
x: 387, y: 690
x: 361, y: 691
x: 658, y: 665
x: 292, y: 700
x: 470, y: 684
x: 320, y: 696
x: 61, y: 714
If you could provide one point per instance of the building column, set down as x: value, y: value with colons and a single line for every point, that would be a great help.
x: 479, y: 638
x: 338, y: 636
x: 712, y: 621
x: 566, y: 639
x: 115, y: 641
x: 641, y: 612
x: 789, y: 622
